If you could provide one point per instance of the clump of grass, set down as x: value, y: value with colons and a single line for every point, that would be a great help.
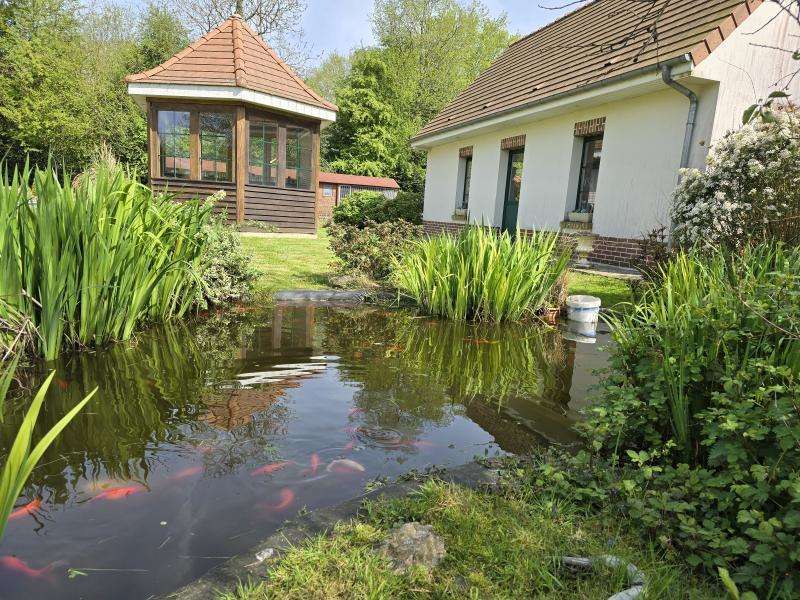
x: 481, y: 275
x: 499, y: 545
x: 89, y: 262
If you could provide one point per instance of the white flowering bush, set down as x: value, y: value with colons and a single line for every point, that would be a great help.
x: 750, y: 190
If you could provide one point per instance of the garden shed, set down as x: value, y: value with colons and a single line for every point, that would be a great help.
x: 228, y: 114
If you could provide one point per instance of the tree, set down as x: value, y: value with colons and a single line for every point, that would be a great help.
x: 161, y: 34
x: 430, y: 50
x: 366, y: 136
x: 329, y: 76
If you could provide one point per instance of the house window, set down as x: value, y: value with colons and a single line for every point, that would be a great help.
x: 590, y: 170
x: 345, y: 191
x: 263, y: 168
x: 465, y: 182
x: 327, y: 191
x: 216, y: 146
x: 298, y: 158
x: 174, y: 143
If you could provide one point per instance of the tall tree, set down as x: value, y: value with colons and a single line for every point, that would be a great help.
x: 327, y: 78
x: 160, y: 35
x: 366, y: 138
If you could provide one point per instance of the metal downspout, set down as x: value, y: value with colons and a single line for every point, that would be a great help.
x: 691, y: 121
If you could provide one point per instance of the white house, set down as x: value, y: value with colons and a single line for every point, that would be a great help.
x: 591, y: 117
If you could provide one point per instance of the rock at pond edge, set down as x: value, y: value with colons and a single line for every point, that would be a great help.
x: 413, y: 544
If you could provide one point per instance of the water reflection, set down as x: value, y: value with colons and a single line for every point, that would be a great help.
x: 204, y: 438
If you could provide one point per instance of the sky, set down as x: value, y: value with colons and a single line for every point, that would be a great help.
x: 341, y: 25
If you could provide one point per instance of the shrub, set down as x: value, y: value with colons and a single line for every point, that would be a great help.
x: 695, y: 432
x: 226, y: 269
x: 750, y: 190
x: 360, y: 207
x: 484, y: 276
x: 88, y: 264
x: 371, y: 250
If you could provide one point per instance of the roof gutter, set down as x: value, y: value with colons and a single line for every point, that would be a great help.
x: 691, y: 122
x: 680, y: 60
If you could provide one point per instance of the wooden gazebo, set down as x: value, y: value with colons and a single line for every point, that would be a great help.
x: 228, y: 114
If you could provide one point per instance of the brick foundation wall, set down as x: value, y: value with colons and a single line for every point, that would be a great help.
x: 618, y: 252
x: 324, y: 209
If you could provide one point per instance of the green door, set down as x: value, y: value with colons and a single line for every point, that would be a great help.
x: 513, y: 187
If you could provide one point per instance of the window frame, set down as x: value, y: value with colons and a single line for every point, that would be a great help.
x: 232, y: 158
x: 586, y: 142
x: 264, y: 120
x: 466, y: 181
x: 161, y: 141
x: 195, y: 160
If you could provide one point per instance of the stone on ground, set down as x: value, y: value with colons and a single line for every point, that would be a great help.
x: 413, y: 544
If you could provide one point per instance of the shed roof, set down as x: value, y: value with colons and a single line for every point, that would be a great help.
x: 233, y: 55
x: 359, y: 180
x: 586, y: 47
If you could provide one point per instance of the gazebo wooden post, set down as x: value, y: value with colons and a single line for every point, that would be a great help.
x: 241, y: 161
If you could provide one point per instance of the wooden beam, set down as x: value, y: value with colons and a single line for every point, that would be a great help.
x: 194, y: 145
x: 281, y: 157
x: 152, y: 141
x: 241, y: 161
x: 315, y: 168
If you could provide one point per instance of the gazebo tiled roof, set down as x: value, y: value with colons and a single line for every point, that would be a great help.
x: 230, y: 56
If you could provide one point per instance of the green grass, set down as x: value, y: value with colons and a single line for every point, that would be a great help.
x: 305, y: 263
x: 499, y: 545
x: 611, y: 290
x: 290, y: 263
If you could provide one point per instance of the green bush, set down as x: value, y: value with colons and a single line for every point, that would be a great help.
x: 226, y: 269
x: 481, y: 275
x: 361, y: 207
x: 696, y: 432
x: 372, y: 249
x: 87, y: 263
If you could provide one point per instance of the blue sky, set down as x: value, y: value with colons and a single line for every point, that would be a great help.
x: 340, y: 25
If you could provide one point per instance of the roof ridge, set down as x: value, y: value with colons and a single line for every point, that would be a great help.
x: 239, y: 67
x: 289, y: 71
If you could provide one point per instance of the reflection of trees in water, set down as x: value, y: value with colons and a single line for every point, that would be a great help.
x: 414, y: 370
x: 152, y: 392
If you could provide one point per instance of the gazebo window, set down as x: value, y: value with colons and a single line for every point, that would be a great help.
x: 216, y: 146
x: 263, y: 168
x: 175, y: 142
x: 298, y: 158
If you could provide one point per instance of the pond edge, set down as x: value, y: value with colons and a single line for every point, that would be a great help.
x: 244, y: 567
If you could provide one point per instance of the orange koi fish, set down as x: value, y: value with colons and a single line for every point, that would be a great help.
x: 312, y: 470
x: 355, y: 411
x: 12, y: 563
x: 350, y: 445
x: 119, y: 493
x: 186, y: 473
x: 62, y: 384
x: 287, y: 499
x: 28, y: 509
x: 271, y: 468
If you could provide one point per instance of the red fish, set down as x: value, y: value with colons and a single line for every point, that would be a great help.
x: 119, y: 493
x: 12, y: 563
x: 355, y: 411
x: 350, y: 445
x: 188, y: 472
x: 28, y: 509
x: 287, y: 499
x: 270, y: 468
x: 62, y: 384
x: 312, y: 470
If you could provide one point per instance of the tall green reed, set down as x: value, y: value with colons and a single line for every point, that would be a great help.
x: 481, y: 275
x: 712, y: 313
x: 22, y: 458
x: 89, y: 261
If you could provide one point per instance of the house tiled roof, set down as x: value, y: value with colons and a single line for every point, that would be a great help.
x: 359, y: 180
x: 583, y: 48
x: 233, y: 55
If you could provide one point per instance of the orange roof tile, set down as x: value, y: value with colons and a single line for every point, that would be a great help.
x: 233, y: 55
x: 583, y: 47
x: 359, y: 180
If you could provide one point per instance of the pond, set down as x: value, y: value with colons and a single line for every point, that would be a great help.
x: 203, y: 439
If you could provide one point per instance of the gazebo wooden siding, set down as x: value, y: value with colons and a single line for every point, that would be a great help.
x: 232, y: 78
x: 291, y: 210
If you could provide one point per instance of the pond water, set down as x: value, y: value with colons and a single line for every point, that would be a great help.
x: 203, y: 439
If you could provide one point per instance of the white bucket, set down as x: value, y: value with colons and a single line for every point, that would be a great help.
x: 583, y: 309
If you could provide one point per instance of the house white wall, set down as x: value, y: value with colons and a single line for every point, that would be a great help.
x: 641, y: 156
x: 642, y: 145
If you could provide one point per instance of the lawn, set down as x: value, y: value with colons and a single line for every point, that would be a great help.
x: 305, y: 263
x: 506, y: 544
